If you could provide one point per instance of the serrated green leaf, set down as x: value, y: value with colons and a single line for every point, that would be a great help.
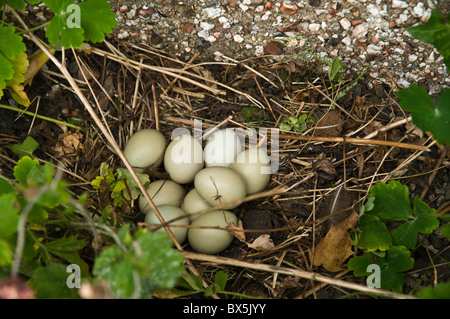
x: 39, y: 175
x: 26, y: 148
x: 440, y: 291
x: 390, y: 277
x: 97, y: 19
x: 359, y: 264
x: 391, y: 201
x: 58, y: 29
x: 391, y: 280
x: 149, y: 259
x: 427, y: 116
x: 9, y: 214
x: 373, y: 234
x: 426, y: 220
x: 11, y: 46
x: 22, y: 169
x: 398, y: 259
x: 132, y: 185
x: 436, y: 32
x: 405, y: 235
x: 20, y: 66
x: 51, y: 283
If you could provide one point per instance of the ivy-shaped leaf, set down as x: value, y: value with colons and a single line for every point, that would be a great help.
x: 396, y: 261
x: 426, y: 220
x: 97, y: 19
x: 75, y: 23
x: 58, y: 29
x: 427, y: 116
x: 391, y: 201
x: 22, y: 169
x: 373, y: 234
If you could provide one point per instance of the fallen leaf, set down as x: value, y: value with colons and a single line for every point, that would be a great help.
x: 336, y: 246
x: 330, y: 125
x: 262, y: 243
x: 70, y: 144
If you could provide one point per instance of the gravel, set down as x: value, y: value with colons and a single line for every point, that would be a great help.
x: 360, y: 33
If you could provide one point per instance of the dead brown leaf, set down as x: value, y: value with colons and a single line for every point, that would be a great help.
x: 330, y: 125
x: 69, y: 143
x: 336, y: 246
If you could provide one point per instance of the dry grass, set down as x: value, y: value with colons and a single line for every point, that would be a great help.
x: 128, y: 87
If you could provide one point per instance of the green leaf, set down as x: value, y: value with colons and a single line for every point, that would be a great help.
x: 37, y: 215
x: 427, y: 116
x: 58, y: 29
x: 11, y: 47
x: 391, y: 201
x: 426, y: 220
x: 373, y: 234
x: 391, y: 280
x: 220, y: 280
x: 22, y: 169
x: 149, y: 260
x: 17, y: 4
x: 66, y: 244
x: 51, y: 283
x: 405, y: 235
x: 333, y: 72
x: 97, y: 19
x: 436, y: 32
x: 398, y: 259
x: 5, y: 253
x: 440, y: 291
x: 123, y: 173
x: 5, y: 186
x: 9, y: 214
x: 359, y: 264
x: 284, y: 126
x: 445, y: 230
x: 26, y: 148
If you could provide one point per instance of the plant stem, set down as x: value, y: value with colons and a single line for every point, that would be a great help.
x: 33, y: 29
x: 12, y: 108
